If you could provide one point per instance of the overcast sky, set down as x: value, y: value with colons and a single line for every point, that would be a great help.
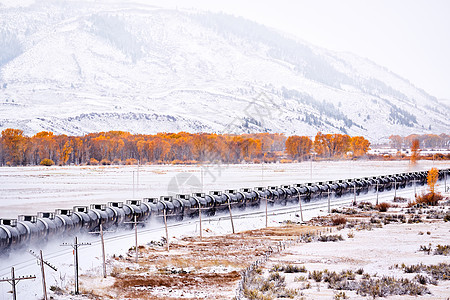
x: 409, y: 37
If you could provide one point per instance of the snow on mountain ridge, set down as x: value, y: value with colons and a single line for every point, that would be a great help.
x: 85, y: 68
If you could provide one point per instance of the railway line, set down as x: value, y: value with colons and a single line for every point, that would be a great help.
x: 45, y: 226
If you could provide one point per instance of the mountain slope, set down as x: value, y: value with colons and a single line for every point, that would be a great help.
x: 82, y: 67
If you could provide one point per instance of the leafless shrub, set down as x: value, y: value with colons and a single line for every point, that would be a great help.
x: 316, y: 275
x: 288, y: 269
x: 425, y: 249
x: 440, y: 271
x: 383, y: 207
x: 338, y: 220
x: 400, y: 200
x: 340, y: 295
x: 386, y: 286
x: 442, y: 250
x: 330, y: 238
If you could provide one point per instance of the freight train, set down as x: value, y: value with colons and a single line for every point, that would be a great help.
x: 28, y: 229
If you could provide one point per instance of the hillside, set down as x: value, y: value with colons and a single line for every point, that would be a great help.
x: 82, y: 67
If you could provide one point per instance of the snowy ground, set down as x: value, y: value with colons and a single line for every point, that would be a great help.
x: 28, y: 190
x: 375, y: 252
x: 93, y: 184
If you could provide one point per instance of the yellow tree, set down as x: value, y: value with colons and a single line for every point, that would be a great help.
x: 432, y: 178
x: 65, y: 153
x: 359, y: 145
x: 15, y: 145
x: 298, y: 147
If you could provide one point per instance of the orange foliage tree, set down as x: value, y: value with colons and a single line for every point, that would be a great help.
x: 120, y: 147
x: 14, y: 145
x: 331, y: 145
x: 415, y: 150
x: 359, y: 145
x: 432, y: 178
x: 298, y: 147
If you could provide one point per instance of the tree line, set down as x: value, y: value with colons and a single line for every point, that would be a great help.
x: 427, y: 141
x: 119, y: 147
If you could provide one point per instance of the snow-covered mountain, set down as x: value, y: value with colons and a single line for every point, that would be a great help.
x: 77, y: 67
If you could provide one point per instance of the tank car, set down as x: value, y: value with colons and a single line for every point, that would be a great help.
x: 235, y: 199
x: 63, y: 221
x: 13, y: 234
x: 28, y: 229
x: 251, y: 197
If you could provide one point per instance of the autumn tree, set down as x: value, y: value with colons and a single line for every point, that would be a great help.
x: 415, y: 151
x: 298, y: 147
x: 65, y: 153
x: 432, y: 178
x: 359, y: 145
x: 396, y: 141
x: 14, y: 146
x: 331, y: 145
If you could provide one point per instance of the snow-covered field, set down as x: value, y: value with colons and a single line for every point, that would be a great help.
x: 26, y: 190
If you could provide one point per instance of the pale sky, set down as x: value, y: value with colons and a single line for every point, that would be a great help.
x: 409, y: 37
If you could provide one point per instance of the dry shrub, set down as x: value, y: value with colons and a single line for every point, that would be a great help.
x: 383, y: 207
x: 93, y: 162
x: 47, y: 162
x: 105, y: 162
x: 338, y: 220
x: 177, y: 162
x: 442, y: 250
x: 429, y: 198
x: 131, y: 161
x: 285, y: 161
x: 400, y: 200
x: 116, y: 161
x: 330, y: 238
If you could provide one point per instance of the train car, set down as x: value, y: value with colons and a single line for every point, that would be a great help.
x: 335, y: 188
x: 186, y: 205
x: 263, y: 193
x: 169, y: 208
x: 133, y: 210
x: 156, y: 208
x: 5, y: 239
x: 14, y: 236
x: 63, y: 221
x: 251, y: 197
x: 45, y: 223
x: 26, y: 225
x: 220, y: 200
x: 290, y: 192
x: 235, y: 199
x: 314, y: 190
x: 81, y: 212
x: 207, y: 207
x: 302, y: 191
x: 116, y: 210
